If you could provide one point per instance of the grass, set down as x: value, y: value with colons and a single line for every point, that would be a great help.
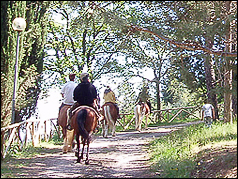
x: 174, y: 155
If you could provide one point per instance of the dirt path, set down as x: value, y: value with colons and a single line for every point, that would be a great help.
x: 122, y: 156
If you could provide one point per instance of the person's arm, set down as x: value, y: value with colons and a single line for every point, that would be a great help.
x: 63, y: 91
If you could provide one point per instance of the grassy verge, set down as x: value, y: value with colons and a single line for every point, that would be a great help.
x: 174, y: 155
x: 12, y: 163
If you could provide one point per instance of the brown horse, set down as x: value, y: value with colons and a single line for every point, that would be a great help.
x: 67, y: 136
x: 109, y: 111
x: 84, y: 121
x: 140, y: 111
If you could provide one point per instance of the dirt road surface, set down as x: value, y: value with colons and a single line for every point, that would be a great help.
x: 123, y: 156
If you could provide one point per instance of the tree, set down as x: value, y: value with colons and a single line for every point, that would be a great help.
x: 30, y: 57
x: 92, y: 46
x: 191, y: 27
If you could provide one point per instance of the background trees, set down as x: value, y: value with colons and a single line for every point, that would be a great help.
x: 31, y: 55
x: 189, y: 45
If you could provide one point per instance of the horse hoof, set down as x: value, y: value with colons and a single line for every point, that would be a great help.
x: 86, y: 162
x: 78, y: 160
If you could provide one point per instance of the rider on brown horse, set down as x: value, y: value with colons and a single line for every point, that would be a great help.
x: 84, y: 94
x: 67, y: 92
x: 109, y: 96
x: 143, y: 96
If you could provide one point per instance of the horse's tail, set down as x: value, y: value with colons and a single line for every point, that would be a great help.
x: 81, y: 118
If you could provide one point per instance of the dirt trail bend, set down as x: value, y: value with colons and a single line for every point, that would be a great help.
x: 122, y: 156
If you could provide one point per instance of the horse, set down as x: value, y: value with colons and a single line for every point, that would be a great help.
x: 67, y: 135
x: 140, y: 111
x: 84, y: 121
x: 109, y: 111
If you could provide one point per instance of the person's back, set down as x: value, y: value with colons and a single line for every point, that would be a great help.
x: 67, y: 91
x: 85, y: 93
x: 208, y: 113
x: 109, y: 96
x: 143, y: 95
x: 207, y: 108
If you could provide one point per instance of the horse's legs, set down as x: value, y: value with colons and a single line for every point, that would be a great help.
x: 137, y: 118
x: 106, y: 130
x: 83, y: 140
x: 103, y: 127
x: 87, y: 160
x: 78, y: 148
x: 114, y: 130
x: 146, y: 121
x: 65, y: 147
x: 140, y: 121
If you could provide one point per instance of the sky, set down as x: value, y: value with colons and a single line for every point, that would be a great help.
x: 48, y: 108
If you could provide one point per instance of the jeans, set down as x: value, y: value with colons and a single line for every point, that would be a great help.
x: 208, y: 121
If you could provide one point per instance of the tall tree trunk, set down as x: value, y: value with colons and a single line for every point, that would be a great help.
x: 210, y: 78
x: 228, y: 75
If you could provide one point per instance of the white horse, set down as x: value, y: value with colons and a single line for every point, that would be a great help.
x: 141, y: 110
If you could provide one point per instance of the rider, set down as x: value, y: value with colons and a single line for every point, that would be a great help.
x: 67, y: 92
x: 109, y: 96
x: 84, y: 94
x: 143, y: 96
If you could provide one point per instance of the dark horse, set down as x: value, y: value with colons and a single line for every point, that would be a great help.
x: 62, y: 120
x: 142, y: 109
x: 84, y: 121
x: 109, y: 111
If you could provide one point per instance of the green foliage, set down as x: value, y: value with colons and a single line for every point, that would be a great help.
x: 69, y: 36
x: 173, y: 155
x: 56, y: 140
x: 30, y: 61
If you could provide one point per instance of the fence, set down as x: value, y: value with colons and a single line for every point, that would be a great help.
x: 23, y: 132
x: 35, y: 130
x: 164, y: 115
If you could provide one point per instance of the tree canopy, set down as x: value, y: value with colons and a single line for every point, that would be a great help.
x: 191, y: 47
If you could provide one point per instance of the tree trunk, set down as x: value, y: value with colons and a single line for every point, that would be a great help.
x: 158, y: 96
x: 227, y: 95
x: 211, y: 95
x: 228, y: 75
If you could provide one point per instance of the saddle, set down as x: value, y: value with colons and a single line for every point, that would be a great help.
x: 97, y: 114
